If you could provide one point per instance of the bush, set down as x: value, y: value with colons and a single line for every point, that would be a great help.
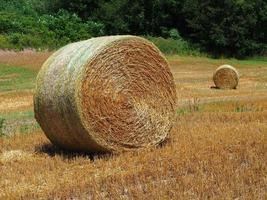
x: 174, y: 34
x: 172, y: 46
x: 46, y: 31
x: 5, y: 43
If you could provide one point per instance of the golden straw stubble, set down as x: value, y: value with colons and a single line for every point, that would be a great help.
x: 106, y: 94
x: 226, y: 77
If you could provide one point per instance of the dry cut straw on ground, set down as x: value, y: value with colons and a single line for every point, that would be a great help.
x: 217, y: 149
x: 210, y: 156
x: 28, y: 58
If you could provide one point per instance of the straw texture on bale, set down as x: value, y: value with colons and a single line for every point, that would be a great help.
x: 226, y: 77
x: 106, y: 94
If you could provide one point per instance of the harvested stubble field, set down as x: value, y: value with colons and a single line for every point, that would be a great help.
x: 217, y: 149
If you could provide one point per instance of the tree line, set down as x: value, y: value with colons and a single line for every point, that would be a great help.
x: 234, y: 28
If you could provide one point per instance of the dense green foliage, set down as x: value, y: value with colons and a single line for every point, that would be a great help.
x: 44, y: 31
x: 221, y: 27
x: 231, y: 27
x: 172, y: 46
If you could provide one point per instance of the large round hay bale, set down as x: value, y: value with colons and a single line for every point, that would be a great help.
x: 106, y: 94
x: 226, y: 77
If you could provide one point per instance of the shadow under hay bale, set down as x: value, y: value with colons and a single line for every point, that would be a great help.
x: 52, y: 150
x: 106, y: 94
x: 225, y: 77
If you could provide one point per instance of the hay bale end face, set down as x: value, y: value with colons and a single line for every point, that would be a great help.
x: 106, y: 94
x: 226, y: 77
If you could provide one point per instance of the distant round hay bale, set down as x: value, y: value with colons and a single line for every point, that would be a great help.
x: 106, y: 94
x: 226, y: 77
